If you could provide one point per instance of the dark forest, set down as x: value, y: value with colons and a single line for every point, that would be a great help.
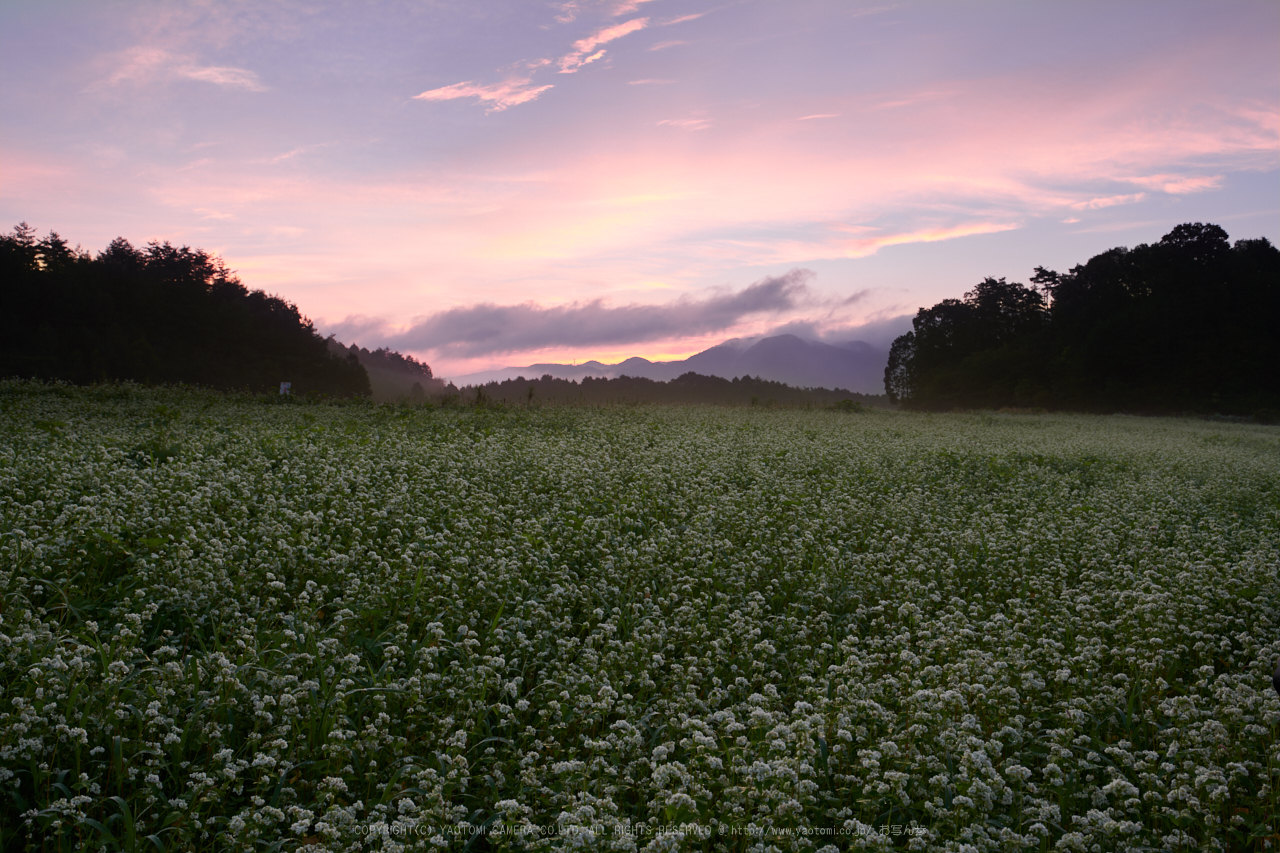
x: 155, y: 315
x: 1187, y: 324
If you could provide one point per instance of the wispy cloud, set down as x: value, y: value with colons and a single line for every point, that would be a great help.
x: 584, y: 50
x: 867, y: 242
x: 663, y: 45
x: 223, y: 75
x: 1108, y: 227
x: 686, y: 123
x: 819, y: 115
x: 648, y: 82
x: 150, y: 64
x: 913, y: 98
x: 195, y: 164
x: 140, y: 64
x: 683, y: 18
x: 863, y: 246
x: 1109, y: 201
x: 628, y: 6
x: 568, y: 12
x: 489, y: 329
x: 289, y: 155
x: 1178, y: 184
x: 508, y: 93
x: 519, y: 88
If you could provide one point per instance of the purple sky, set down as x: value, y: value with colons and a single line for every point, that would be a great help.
x: 488, y: 183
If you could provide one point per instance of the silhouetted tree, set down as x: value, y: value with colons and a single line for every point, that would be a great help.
x: 1183, y: 324
x: 161, y: 314
x: 926, y: 362
x: 392, y: 376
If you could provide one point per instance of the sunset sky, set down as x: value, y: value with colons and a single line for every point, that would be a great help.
x: 499, y: 183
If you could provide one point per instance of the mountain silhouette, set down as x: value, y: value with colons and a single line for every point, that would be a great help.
x: 855, y: 365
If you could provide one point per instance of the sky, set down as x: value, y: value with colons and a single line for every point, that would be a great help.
x: 503, y: 183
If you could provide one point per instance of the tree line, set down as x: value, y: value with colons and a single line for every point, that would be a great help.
x: 1187, y: 324
x: 685, y: 389
x: 159, y: 314
x: 392, y: 376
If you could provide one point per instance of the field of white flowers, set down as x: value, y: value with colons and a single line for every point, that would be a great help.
x: 238, y: 624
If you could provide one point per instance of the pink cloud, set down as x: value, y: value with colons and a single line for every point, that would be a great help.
x: 1179, y: 184
x: 664, y: 202
x: 603, y: 195
x: 508, y: 93
x: 1109, y: 201
x: 663, y: 45
x: 196, y: 164
x: 206, y: 213
x: 913, y: 98
x: 139, y: 64
x: 649, y: 82
x: 833, y: 246
x: 236, y: 78
x: 628, y: 6
x: 664, y: 206
x: 582, y: 47
x: 150, y: 64
x: 683, y: 18
x: 289, y: 155
x: 869, y: 245
x: 487, y: 328
x: 686, y: 123
x: 568, y: 12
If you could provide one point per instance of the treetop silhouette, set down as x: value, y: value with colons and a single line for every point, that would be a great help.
x: 1185, y: 324
x: 162, y: 314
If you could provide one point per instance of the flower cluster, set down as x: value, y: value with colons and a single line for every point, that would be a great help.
x: 229, y: 623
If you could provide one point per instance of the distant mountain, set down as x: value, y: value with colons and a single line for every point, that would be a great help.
x: 855, y: 365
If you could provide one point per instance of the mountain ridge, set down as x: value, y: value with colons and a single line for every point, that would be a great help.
x: 854, y: 365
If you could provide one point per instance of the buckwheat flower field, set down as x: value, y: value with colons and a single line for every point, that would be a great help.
x: 238, y: 624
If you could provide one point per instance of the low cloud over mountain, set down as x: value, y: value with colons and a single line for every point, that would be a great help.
x: 823, y: 350
x: 853, y: 365
x: 489, y: 329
